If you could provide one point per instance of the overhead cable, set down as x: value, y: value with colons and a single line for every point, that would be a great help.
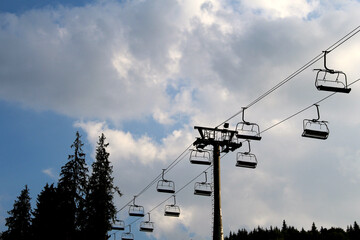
x: 304, y: 109
x: 301, y: 69
x: 287, y: 79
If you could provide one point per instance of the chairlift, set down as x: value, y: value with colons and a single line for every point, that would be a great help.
x: 136, y: 210
x: 203, y: 188
x: 313, y: 128
x: 246, y: 159
x: 127, y: 235
x: 331, y: 80
x: 231, y: 145
x: 172, y: 210
x: 198, y: 156
x: 147, y: 226
x: 247, y: 130
x: 118, y: 225
x: 165, y: 186
x: 225, y: 134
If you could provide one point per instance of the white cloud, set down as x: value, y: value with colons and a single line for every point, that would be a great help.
x: 186, y: 63
x: 125, y: 147
x: 49, y: 172
x: 283, y: 8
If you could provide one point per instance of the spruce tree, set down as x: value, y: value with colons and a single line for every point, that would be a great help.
x: 314, y: 233
x: 71, y: 188
x: 19, y: 221
x: 353, y: 232
x: 45, y: 222
x: 100, y: 207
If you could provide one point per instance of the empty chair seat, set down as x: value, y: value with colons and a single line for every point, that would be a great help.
x: 118, y: 225
x: 127, y: 235
x: 246, y: 159
x: 201, y: 157
x: 165, y: 186
x: 331, y: 80
x: 247, y: 130
x: 136, y: 210
x: 147, y: 226
x: 314, y: 128
x: 172, y: 210
x: 203, y: 188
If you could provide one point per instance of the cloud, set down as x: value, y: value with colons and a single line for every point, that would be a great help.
x: 115, y: 61
x: 165, y: 67
x: 282, y: 8
x: 49, y: 172
x: 143, y: 150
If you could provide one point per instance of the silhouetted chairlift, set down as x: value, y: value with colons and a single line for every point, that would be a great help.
x: 246, y: 159
x: 247, y: 130
x: 165, y: 186
x: 136, y: 210
x: 199, y: 156
x: 226, y: 135
x: 232, y: 143
x: 127, y: 235
x: 118, y: 225
x: 313, y: 128
x: 331, y: 80
x: 172, y: 210
x: 147, y: 226
x: 203, y: 188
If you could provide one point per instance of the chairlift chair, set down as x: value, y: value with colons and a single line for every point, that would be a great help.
x: 203, y: 188
x: 118, y: 225
x: 127, y: 235
x: 331, y: 80
x: 247, y: 130
x: 136, y: 210
x: 172, y: 210
x: 313, y: 128
x: 246, y: 159
x: 147, y: 226
x: 165, y: 186
x: 198, y: 156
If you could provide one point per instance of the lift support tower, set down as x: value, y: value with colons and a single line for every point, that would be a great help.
x: 222, y: 140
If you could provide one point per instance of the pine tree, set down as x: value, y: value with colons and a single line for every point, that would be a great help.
x: 71, y: 188
x: 19, y: 221
x: 353, y: 232
x: 100, y: 207
x: 46, y: 222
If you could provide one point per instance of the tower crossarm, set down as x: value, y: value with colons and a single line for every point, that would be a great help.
x: 224, y: 138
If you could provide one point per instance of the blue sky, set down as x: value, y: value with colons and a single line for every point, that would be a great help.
x: 145, y: 72
x: 20, y: 6
x: 31, y: 144
x: 33, y: 132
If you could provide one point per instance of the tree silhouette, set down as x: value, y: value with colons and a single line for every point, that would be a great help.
x: 99, y: 202
x: 71, y: 190
x: 291, y: 233
x: 19, y: 221
x: 314, y: 233
x: 46, y: 222
x: 353, y: 232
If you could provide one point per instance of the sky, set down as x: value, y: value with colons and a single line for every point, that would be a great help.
x: 145, y: 73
